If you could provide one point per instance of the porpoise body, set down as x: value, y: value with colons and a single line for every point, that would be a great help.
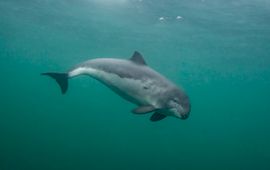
x: 133, y: 80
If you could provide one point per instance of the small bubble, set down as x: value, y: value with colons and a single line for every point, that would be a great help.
x: 179, y: 17
x: 161, y: 18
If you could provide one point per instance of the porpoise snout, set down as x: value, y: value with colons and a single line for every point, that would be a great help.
x: 185, y: 116
x: 187, y: 112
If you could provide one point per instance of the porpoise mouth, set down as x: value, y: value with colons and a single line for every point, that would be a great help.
x: 185, y: 116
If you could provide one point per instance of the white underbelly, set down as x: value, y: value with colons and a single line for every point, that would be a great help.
x: 140, y: 91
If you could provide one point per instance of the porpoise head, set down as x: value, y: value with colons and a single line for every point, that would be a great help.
x: 178, y: 104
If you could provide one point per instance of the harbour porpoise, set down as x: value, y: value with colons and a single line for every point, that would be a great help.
x: 133, y: 80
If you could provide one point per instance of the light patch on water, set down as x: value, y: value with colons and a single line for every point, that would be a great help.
x: 111, y: 2
x: 165, y: 18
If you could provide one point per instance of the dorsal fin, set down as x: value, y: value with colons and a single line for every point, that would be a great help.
x: 138, y: 58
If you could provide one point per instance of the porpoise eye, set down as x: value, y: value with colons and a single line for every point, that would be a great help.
x: 175, y: 100
x: 145, y: 87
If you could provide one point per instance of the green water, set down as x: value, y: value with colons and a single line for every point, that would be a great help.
x: 217, y: 50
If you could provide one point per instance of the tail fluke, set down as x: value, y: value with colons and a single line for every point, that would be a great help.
x: 61, y: 79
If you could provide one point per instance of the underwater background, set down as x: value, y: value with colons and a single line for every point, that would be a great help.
x: 217, y: 50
